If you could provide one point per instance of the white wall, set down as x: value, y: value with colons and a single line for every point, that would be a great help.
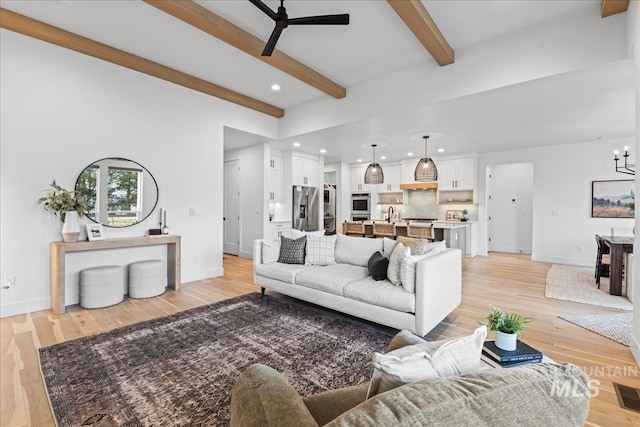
x: 561, y: 184
x: 254, y: 206
x: 633, y: 43
x: 60, y: 111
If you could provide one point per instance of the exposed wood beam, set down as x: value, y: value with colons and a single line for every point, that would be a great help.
x: 416, y: 17
x: 39, y: 30
x: 611, y: 7
x: 207, y: 21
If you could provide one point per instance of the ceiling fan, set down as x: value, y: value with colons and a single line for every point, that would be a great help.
x: 282, y: 21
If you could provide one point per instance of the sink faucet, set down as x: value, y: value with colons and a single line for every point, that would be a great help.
x: 390, y: 212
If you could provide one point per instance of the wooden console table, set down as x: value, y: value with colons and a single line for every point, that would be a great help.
x: 59, y: 250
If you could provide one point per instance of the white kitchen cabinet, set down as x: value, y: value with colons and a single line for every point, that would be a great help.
x: 276, y: 228
x: 276, y: 183
x: 392, y: 179
x: 356, y: 180
x: 456, y: 174
x: 304, y: 171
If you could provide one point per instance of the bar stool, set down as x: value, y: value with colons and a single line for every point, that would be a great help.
x: 101, y: 286
x: 147, y: 278
x: 420, y: 231
x: 384, y: 229
x: 354, y: 227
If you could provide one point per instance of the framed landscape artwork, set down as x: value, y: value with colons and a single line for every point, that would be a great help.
x: 613, y: 199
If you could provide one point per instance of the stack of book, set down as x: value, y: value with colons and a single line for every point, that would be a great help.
x: 499, y: 358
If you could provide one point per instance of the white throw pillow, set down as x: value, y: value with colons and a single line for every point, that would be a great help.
x: 426, y: 360
x: 388, y: 245
x: 270, y: 251
x: 408, y: 266
x: 395, y: 263
x: 320, y: 250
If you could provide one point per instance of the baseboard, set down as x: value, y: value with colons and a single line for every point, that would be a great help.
x: 511, y: 250
x: 193, y: 276
x: 563, y: 260
x: 248, y: 255
x: 22, y: 307
x: 635, y: 347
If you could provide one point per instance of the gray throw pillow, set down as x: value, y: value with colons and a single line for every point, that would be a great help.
x: 292, y: 251
x: 377, y: 266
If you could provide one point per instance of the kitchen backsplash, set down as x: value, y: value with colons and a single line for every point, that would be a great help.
x: 423, y: 204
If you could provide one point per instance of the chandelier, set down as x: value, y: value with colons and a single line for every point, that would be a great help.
x: 628, y: 168
x: 374, y: 174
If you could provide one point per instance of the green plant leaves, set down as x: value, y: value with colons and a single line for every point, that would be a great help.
x: 59, y: 201
x: 509, y: 323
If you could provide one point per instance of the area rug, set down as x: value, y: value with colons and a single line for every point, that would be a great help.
x: 577, y: 284
x: 616, y: 327
x: 179, y: 370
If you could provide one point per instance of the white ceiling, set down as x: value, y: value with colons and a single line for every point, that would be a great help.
x: 374, y: 44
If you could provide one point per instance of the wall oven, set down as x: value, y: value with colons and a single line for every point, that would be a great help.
x: 360, y: 204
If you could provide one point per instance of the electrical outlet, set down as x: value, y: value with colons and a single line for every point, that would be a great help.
x: 580, y: 248
x: 8, y: 282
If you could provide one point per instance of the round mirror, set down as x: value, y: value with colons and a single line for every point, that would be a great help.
x: 118, y: 192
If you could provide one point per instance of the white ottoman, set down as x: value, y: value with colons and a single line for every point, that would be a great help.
x: 101, y: 286
x: 147, y: 278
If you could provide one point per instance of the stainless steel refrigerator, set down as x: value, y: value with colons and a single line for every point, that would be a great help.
x: 305, y: 208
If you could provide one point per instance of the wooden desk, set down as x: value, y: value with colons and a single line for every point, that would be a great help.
x: 618, y: 246
x: 59, y: 250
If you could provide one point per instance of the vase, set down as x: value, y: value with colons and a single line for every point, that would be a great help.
x: 506, y: 342
x: 71, y: 227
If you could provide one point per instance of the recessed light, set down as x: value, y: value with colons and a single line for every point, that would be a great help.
x: 323, y: 151
x: 440, y: 150
x: 409, y: 154
x: 275, y: 87
x: 296, y: 144
x: 359, y: 160
x: 383, y: 157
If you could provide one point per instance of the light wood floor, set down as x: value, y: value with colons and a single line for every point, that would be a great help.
x: 512, y: 282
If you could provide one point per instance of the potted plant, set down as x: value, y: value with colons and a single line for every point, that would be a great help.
x: 464, y: 215
x: 507, y: 327
x: 65, y: 205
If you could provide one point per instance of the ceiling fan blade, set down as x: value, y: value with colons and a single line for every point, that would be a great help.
x: 321, y: 20
x: 271, y: 43
x: 263, y: 7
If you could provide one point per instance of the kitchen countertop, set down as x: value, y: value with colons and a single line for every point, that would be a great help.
x: 434, y: 224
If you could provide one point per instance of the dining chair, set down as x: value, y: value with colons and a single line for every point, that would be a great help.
x: 621, y: 232
x: 384, y: 229
x: 603, y: 261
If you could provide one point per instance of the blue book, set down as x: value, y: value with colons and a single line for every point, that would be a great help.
x: 521, y: 353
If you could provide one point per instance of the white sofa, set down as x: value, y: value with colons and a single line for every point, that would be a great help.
x: 347, y: 286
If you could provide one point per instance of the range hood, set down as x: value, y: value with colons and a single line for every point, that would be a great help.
x: 419, y: 186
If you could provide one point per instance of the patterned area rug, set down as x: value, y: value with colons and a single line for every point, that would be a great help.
x: 179, y: 370
x: 577, y: 284
x: 613, y: 326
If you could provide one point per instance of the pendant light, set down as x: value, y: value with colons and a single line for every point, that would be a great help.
x: 374, y: 174
x: 426, y: 170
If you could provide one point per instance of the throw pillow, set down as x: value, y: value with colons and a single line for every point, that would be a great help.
x: 270, y: 251
x: 387, y: 246
x: 377, y: 266
x: 292, y: 251
x: 408, y: 266
x: 418, y: 246
x: 426, y: 360
x: 320, y: 250
x: 395, y: 263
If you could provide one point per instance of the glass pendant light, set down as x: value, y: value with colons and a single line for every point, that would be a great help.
x: 426, y: 170
x: 374, y: 174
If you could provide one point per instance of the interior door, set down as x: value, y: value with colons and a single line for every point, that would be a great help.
x: 232, y: 207
x: 510, y: 208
